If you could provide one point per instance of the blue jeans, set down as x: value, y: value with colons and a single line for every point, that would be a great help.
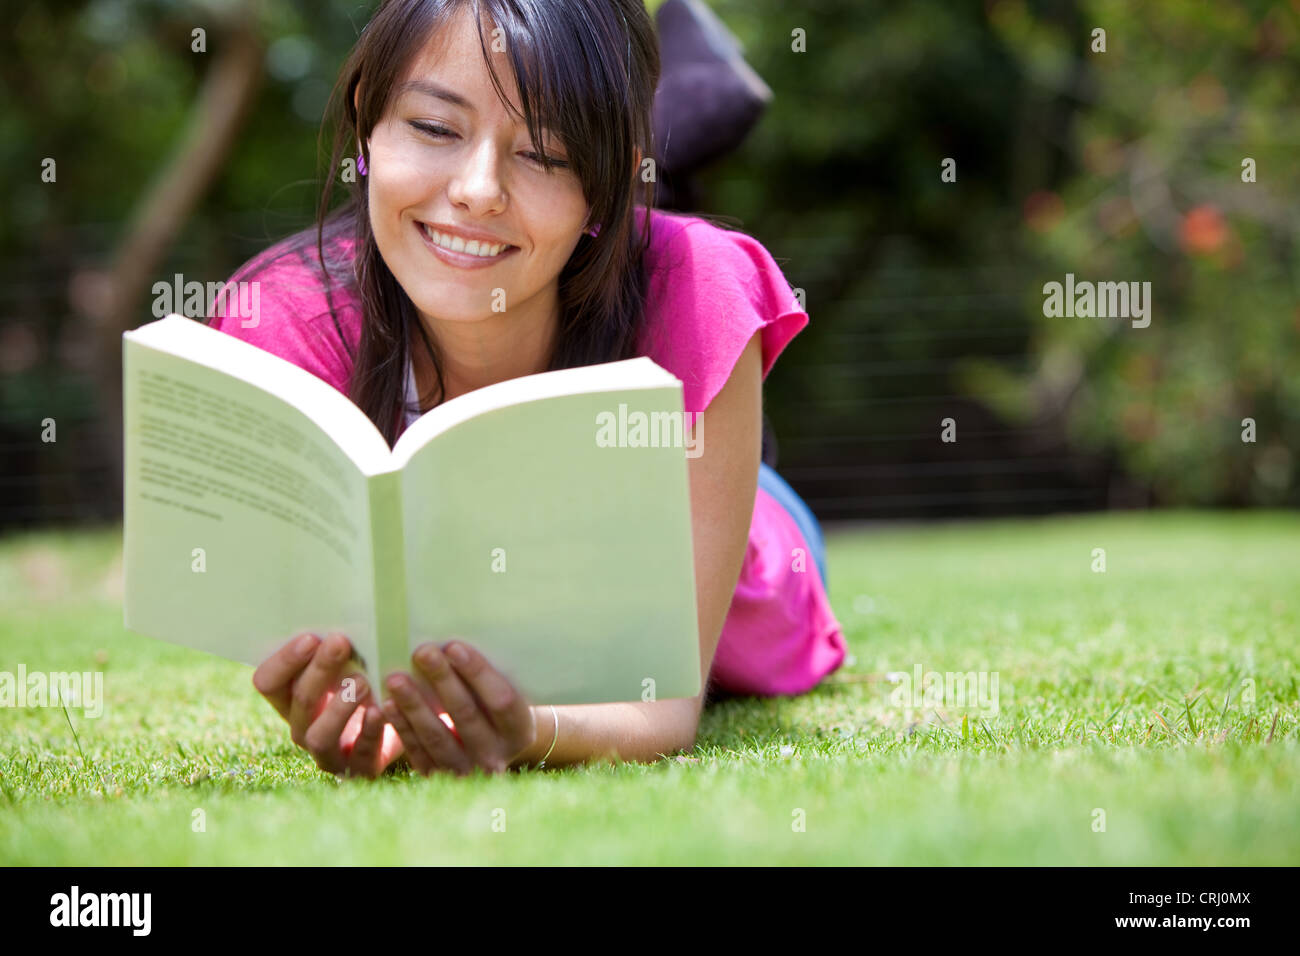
x: 786, y: 496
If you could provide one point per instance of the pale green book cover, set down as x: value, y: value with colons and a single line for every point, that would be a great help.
x: 544, y: 520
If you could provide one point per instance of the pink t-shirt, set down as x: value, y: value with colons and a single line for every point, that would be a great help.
x: 709, y: 290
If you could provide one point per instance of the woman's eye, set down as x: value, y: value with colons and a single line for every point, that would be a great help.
x: 441, y: 132
x: 432, y: 130
x: 558, y: 163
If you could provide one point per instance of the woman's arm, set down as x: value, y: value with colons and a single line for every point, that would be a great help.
x: 724, y: 481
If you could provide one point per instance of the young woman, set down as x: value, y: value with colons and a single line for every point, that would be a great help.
x: 500, y: 147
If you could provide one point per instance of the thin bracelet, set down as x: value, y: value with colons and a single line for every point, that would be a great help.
x: 555, y: 738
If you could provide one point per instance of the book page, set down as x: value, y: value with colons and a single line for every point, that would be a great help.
x: 566, y: 560
x: 605, y: 377
x: 245, y: 524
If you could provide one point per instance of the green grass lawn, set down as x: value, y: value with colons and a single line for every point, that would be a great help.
x: 1162, y: 693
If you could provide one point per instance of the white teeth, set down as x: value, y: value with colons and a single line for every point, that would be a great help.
x: 474, y: 247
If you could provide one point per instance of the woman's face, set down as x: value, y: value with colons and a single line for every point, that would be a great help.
x: 465, y: 167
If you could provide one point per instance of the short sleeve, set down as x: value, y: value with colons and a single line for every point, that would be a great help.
x: 280, y: 302
x: 709, y: 290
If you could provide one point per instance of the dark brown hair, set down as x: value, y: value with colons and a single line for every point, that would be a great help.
x: 586, y: 68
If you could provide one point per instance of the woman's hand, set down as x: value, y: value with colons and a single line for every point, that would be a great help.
x: 304, y: 682
x: 493, y: 722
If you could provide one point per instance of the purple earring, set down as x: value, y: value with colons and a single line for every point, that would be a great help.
x: 594, y: 230
x: 361, y: 164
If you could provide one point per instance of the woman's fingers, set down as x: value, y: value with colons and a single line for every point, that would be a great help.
x: 324, y: 738
x: 391, y: 748
x: 484, y: 744
x: 415, y: 720
x: 348, y: 733
x: 363, y: 759
x: 420, y: 760
x: 274, y: 677
x: 506, y: 708
x: 320, y: 675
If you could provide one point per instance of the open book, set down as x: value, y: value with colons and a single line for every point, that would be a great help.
x: 544, y: 520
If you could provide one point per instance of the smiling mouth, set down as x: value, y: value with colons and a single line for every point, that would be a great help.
x: 471, y: 251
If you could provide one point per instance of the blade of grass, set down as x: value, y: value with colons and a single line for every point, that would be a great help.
x: 84, y: 759
x: 1163, y: 723
x: 1226, y: 698
x: 1191, y: 722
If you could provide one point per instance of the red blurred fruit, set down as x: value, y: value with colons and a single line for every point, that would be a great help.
x: 1203, y: 230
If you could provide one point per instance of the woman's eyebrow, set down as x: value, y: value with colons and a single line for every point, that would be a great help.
x: 429, y: 88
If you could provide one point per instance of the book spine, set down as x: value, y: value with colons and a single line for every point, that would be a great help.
x: 389, y: 550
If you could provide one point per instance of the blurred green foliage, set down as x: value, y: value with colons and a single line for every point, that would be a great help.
x: 1188, y: 102
x: 924, y: 294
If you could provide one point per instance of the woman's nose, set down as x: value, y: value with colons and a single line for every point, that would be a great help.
x: 477, y: 184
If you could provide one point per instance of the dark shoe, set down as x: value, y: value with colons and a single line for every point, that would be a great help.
x: 708, y: 98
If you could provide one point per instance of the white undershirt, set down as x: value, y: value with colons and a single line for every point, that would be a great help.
x: 412, y: 400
